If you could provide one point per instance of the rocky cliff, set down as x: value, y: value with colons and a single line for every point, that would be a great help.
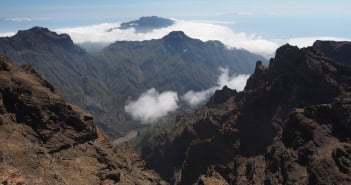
x: 291, y: 125
x: 45, y: 140
x: 76, y: 74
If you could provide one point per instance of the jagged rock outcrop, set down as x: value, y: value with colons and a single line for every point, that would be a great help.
x: 45, y: 140
x: 291, y: 125
x: 338, y: 51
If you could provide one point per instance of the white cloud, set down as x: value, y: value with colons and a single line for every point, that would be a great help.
x: 152, y: 105
x: 308, y: 41
x: 16, y: 19
x: 96, y: 33
x: 7, y: 34
x: 193, y: 98
x: 236, y: 82
x: 208, y: 31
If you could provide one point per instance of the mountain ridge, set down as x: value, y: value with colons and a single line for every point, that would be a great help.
x: 121, y: 72
x: 289, y: 126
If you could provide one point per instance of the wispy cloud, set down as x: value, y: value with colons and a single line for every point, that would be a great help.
x: 215, y: 22
x: 16, y: 19
x: 193, y: 98
x: 236, y: 82
x: 236, y: 13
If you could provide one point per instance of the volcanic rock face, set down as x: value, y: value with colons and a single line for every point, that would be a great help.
x: 291, y: 125
x: 44, y: 140
x: 338, y: 51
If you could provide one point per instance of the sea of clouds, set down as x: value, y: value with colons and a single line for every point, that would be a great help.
x: 107, y: 33
x: 209, y: 31
x: 203, y: 30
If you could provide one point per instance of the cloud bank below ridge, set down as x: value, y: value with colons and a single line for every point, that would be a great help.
x: 107, y: 33
x: 209, y: 31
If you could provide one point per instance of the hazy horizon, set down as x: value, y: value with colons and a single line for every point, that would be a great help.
x: 270, y: 19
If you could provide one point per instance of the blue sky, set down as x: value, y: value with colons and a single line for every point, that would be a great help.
x: 267, y: 18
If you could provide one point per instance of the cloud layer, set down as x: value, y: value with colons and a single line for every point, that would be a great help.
x: 152, y: 105
x: 208, y: 31
x: 16, y: 19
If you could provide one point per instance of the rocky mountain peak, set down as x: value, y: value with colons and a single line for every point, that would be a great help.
x: 221, y: 96
x: 44, y: 32
x: 286, y: 54
x: 338, y: 51
x: 178, y: 41
x: 43, y: 38
x: 176, y: 36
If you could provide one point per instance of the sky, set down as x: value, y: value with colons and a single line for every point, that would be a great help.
x: 271, y: 19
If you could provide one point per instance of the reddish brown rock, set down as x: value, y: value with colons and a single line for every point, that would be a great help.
x: 45, y: 140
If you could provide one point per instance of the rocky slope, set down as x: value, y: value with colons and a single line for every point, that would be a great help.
x: 291, y: 125
x: 123, y: 69
x: 175, y: 62
x: 45, y: 140
x: 76, y: 74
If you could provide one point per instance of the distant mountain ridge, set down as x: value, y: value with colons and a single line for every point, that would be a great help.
x: 147, y: 24
x: 191, y: 63
x: 175, y: 62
